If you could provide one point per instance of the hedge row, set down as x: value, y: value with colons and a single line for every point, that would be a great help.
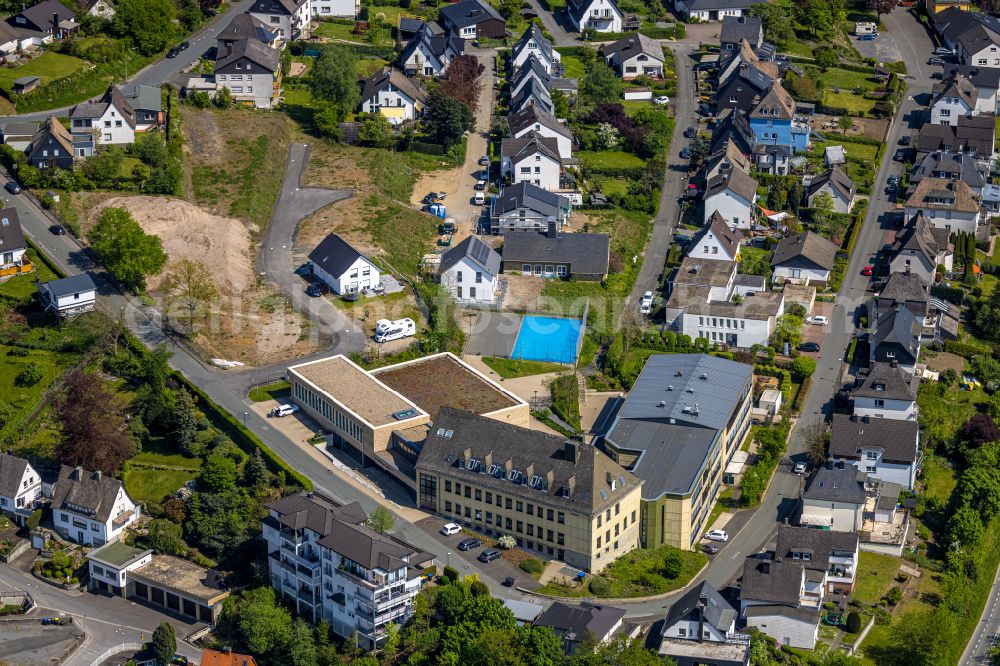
x: 964, y: 349
x: 859, y: 219
x: 801, y: 397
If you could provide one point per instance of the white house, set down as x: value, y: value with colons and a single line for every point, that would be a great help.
x: 773, y: 599
x: 532, y: 42
x: 470, y: 270
x: 947, y: 204
x: 974, y: 37
x: 576, y: 623
x: 712, y: 10
x: 834, y: 498
x: 112, y: 563
x: 733, y: 194
x: 429, y: 53
x: 635, y: 55
x: 837, y: 184
x: 342, y: 268
x: 986, y: 82
x: 805, y: 258
x: 921, y: 249
x: 531, y: 70
x: 393, y: 95
x: 886, y: 391
x: 700, y: 627
x: 534, y: 119
x: 326, y: 562
x: 20, y: 487
x: 955, y: 97
x: 90, y: 508
x: 532, y: 92
x: 108, y: 121
x: 717, y: 240
x: 12, y: 244
x: 69, y: 296
x: 601, y: 15
x: 527, y: 207
x: 830, y: 558
x: 251, y: 70
x: 335, y: 8
x: 531, y: 158
x: 288, y: 19
x: 888, y: 449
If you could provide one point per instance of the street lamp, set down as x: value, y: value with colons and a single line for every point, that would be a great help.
x: 245, y: 419
x: 448, y: 558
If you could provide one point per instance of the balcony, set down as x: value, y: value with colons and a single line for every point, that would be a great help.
x: 381, y: 599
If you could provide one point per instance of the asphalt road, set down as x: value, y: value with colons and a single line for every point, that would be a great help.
x: 163, y: 70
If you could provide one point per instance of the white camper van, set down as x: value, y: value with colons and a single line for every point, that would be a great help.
x: 386, y: 330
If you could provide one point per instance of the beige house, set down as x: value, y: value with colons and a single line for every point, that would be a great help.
x: 564, y: 500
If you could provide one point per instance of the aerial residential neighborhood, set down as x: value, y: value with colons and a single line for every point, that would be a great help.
x: 599, y: 332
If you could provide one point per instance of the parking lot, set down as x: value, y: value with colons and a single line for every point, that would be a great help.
x: 813, y: 332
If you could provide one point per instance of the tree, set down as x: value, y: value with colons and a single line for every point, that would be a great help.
x: 255, y: 471
x: 979, y: 488
x: 560, y: 104
x: 333, y: 80
x: 94, y: 434
x: 149, y: 23
x: 509, y: 8
x: 601, y: 85
x: 820, y: 16
x: 164, y: 643
x: 814, y: 436
x: 218, y: 523
x: 165, y: 536
x: 826, y: 57
x: 965, y: 529
x: 327, y: 123
x: 218, y: 474
x: 978, y: 430
x: 795, y: 193
x: 125, y: 249
x: 375, y: 130
x: 185, y: 418
x: 29, y: 375
x: 672, y: 565
x: 463, y: 81
x: 777, y: 21
x: 822, y: 205
x: 788, y: 328
x: 924, y: 638
x: 381, y: 520
x: 804, y: 366
x: 223, y: 98
x: 265, y: 626
x: 853, y: 622
x: 302, y: 647
x: 885, y: 6
x: 447, y: 119
x: 193, y: 288
x: 845, y: 123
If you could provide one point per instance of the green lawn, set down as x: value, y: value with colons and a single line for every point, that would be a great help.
x: 512, y: 368
x: 611, y: 159
x: 996, y: 129
x: 848, y: 80
x: 48, y: 67
x: 23, y: 286
x: 154, y: 485
x: 275, y: 391
x: 367, y: 66
x: 939, y: 478
x: 875, y: 572
x: 376, y: 37
x: 856, y: 105
x: 638, y: 574
x: 574, y: 67
x: 159, y: 453
x: 614, y: 186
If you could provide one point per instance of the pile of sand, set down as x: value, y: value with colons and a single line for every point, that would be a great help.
x: 188, y: 232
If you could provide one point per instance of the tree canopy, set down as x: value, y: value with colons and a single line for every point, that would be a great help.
x: 447, y: 119
x: 333, y: 80
x: 125, y: 249
x: 149, y: 23
x: 601, y: 85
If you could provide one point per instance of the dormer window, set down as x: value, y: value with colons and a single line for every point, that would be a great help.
x: 880, y: 386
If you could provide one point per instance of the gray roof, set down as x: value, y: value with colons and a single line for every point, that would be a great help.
x: 809, y: 246
x: 90, y: 493
x: 728, y: 237
x: 11, y: 235
x: 896, y: 438
x: 315, y: 513
x: 74, y: 284
x: 506, y: 457
x: 838, y: 180
x: 88, y: 110
x: 244, y: 26
x: 41, y: 13
x: 533, y: 34
x: 735, y: 180
x: 777, y: 103
x: 479, y: 252
x: 702, y: 272
x: 700, y: 394
x: 958, y: 86
x: 802, y: 613
x: 819, y: 544
x: 755, y: 281
x: 534, y: 93
x: 573, y: 622
x: 410, y: 24
x: 835, y: 482
x: 532, y: 115
x: 335, y: 255
x: 709, y: 5
x: 633, y: 45
x: 532, y: 66
x: 147, y: 98
x: 586, y: 253
x: 520, y: 147
x: 903, y: 287
x: 530, y: 196
x: 897, y: 326
x: 388, y: 77
x: 981, y: 77
x: 20, y: 129
x: 468, y: 12
x: 11, y: 472
x: 438, y: 45
x: 776, y: 582
x: 887, y: 381
x: 718, y: 612
x: 940, y: 164
x: 25, y: 80
x: 921, y: 236
x: 737, y: 28
x: 888, y: 495
x: 250, y: 49
x: 974, y: 134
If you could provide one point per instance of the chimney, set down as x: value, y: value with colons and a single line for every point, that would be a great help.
x: 893, y: 363
x: 552, y: 232
x: 529, y: 471
x: 702, y: 604
x: 97, y: 475
x: 571, y: 484
x: 78, y: 473
x: 550, y: 478
x: 467, y: 455
x: 488, y: 459
x: 571, y: 451
x: 55, y: 22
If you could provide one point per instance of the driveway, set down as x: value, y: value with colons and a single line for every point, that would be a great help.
x: 555, y: 26
x: 296, y: 203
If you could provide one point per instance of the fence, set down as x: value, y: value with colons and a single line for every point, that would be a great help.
x: 22, y: 600
x: 121, y: 647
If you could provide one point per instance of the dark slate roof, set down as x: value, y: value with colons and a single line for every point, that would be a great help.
x: 436, y: 44
x: 835, y: 482
x: 74, y: 284
x: 11, y: 472
x: 897, y: 326
x: 903, y: 288
x: 976, y: 132
x: 527, y: 195
x: 517, y: 148
x: 468, y: 12
x: 11, y: 235
x: 52, y: 127
x: 803, y: 613
x: 710, y: 5
x: 315, y: 513
x: 729, y: 238
x: 479, y: 252
x: 632, y: 46
x: 921, y: 236
x: 533, y: 34
x: 958, y: 86
x: 896, y: 438
x: 737, y: 28
x: 940, y: 164
x: 410, y: 24
x: 533, y: 115
x: 575, y: 622
x: 577, y: 8
x: 335, y: 255
x: 532, y: 66
x: 92, y: 491
x: 253, y: 50
x: 808, y: 245
x: 735, y: 180
x: 718, y: 612
x: 883, y: 380
x: 777, y: 103
x: 532, y: 93
x: 245, y: 26
x: 387, y: 77
x: 531, y: 453
x: 19, y: 129
x: 820, y: 544
x: 41, y: 14
x: 981, y: 77
x: 776, y: 582
x: 973, y: 30
x: 586, y: 253
x: 838, y: 180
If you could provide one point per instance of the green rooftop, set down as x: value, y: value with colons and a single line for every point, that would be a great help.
x: 117, y: 554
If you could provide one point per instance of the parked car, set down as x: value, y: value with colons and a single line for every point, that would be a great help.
x: 58, y: 230
x: 479, y: 199
x: 935, y: 61
x: 682, y: 240
x: 184, y: 46
x: 314, y: 290
x: 868, y: 270
x: 12, y: 187
x: 481, y: 184
x: 690, y: 132
x: 904, y: 140
x: 284, y: 410
x: 818, y: 320
x: 469, y: 544
x: 887, y: 248
x: 717, y: 535
x: 686, y: 153
x: 800, y: 468
x: 304, y: 270
x: 446, y: 227
x: 710, y: 548
x: 942, y: 51
x: 172, y: 53
x: 429, y: 198
x: 662, y: 100
x: 902, y: 154
x: 808, y: 347
x: 508, y: 581
x: 646, y: 303
x: 450, y: 528
x: 387, y: 330
x: 870, y: 37
x: 488, y: 556
x: 484, y: 160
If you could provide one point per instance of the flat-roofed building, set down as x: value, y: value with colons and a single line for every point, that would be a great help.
x: 678, y: 429
x: 562, y: 499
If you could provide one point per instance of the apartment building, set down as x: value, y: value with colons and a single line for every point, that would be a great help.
x: 288, y: 19
x: 564, y: 500
x: 677, y: 431
x: 326, y: 562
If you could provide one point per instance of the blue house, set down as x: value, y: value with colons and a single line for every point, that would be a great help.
x: 773, y: 121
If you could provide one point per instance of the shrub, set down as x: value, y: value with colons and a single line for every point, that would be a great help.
x: 532, y: 566
x: 883, y: 618
x: 450, y: 574
x: 507, y: 542
x: 894, y: 595
x: 599, y: 587
x: 479, y: 589
x: 853, y: 622
x: 672, y: 565
x: 30, y: 375
x: 804, y: 366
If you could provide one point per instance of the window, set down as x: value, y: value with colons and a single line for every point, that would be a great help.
x: 600, y: 519
x: 489, y: 517
x: 468, y: 491
x: 489, y: 498
x: 458, y: 488
x: 509, y: 522
x: 458, y: 276
x: 598, y: 541
x: 549, y: 516
x: 447, y: 507
x: 519, y: 527
x: 561, y: 518
x: 531, y: 509
x: 525, y: 268
x: 447, y: 486
x: 479, y: 277
x: 472, y: 292
x: 509, y: 504
x: 879, y: 402
x: 519, y: 507
x: 561, y: 539
x: 479, y: 495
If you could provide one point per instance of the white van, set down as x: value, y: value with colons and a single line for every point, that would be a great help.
x: 284, y: 410
x: 386, y: 330
x: 479, y: 199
